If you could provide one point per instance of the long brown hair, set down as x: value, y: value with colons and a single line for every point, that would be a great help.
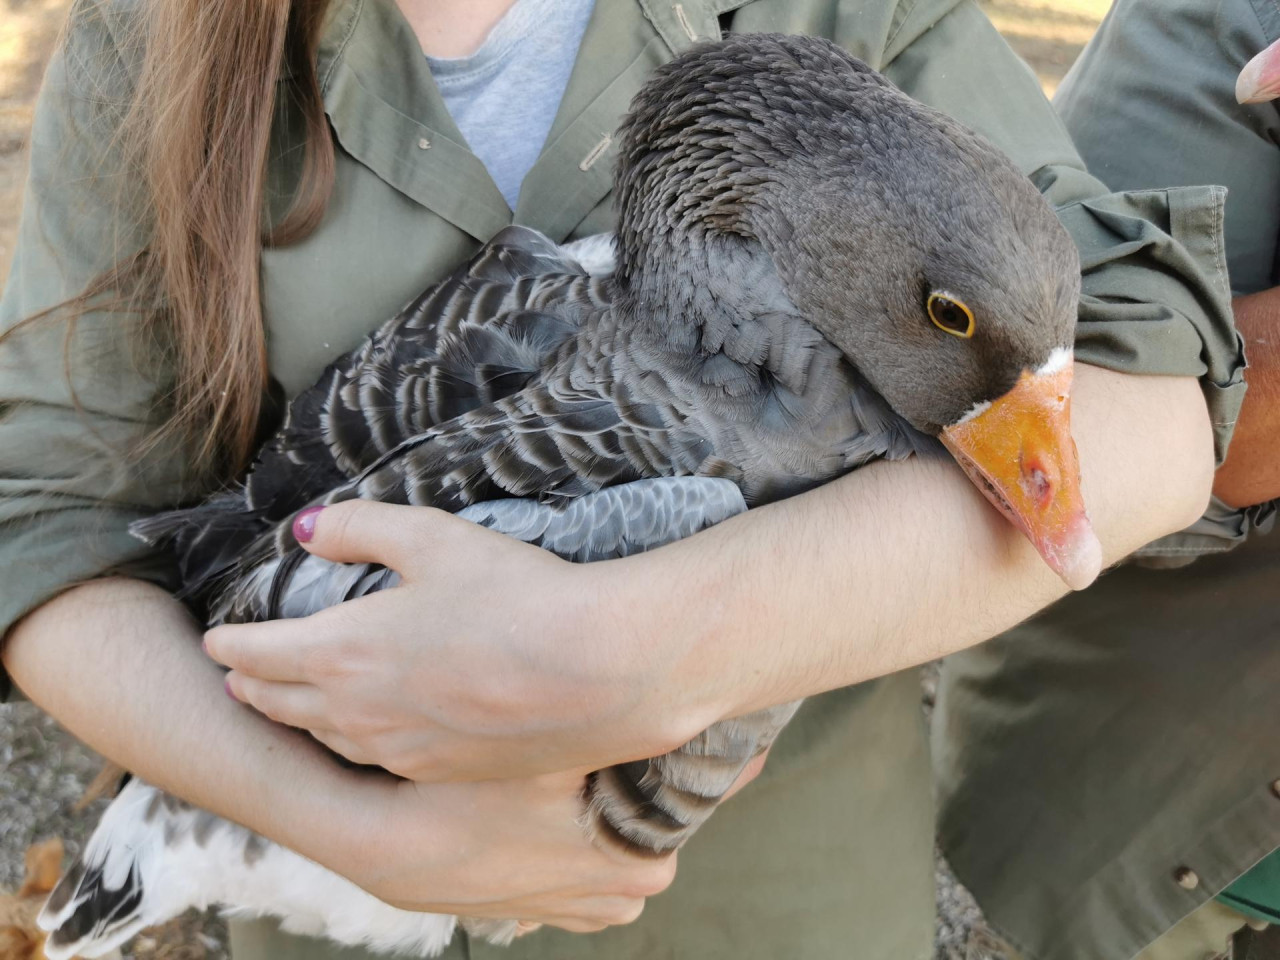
x: 214, y: 77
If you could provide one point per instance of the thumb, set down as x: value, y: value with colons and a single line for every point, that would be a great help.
x: 366, y: 531
x: 749, y: 773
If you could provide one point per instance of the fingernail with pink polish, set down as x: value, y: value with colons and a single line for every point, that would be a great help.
x: 226, y: 685
x: 304, y: 524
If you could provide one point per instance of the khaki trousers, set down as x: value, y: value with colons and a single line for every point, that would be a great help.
x: 827, y: 856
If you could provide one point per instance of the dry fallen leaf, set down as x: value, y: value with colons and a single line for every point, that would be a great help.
x: 43, y: 866
x: 20, y: 938
x: 17, y: 944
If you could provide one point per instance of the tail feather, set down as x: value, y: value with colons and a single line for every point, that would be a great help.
x: 102, y: 901
x: 153, y: 857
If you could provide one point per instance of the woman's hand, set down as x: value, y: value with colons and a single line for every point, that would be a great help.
x: 502, y: 849
x: 529, y: 674
x: 512, y: 849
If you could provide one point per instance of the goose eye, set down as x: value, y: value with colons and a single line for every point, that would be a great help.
x: 951, y: 315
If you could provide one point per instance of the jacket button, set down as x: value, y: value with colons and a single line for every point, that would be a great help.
x: 1275, y: 788
x: 1187, y: 878
x: 424, y: 144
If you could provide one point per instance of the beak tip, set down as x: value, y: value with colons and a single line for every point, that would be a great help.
x: 1259, y: 80
x: 1082, y: 562
x: 1246, y: 85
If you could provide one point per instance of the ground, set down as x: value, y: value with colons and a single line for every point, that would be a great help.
x: 1048, y: 34
x: 44, y: 771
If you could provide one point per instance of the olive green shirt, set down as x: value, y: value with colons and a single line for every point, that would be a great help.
x: 1108, y: 767
x: 831, y: 850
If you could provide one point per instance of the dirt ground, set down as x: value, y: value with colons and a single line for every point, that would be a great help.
x: 1048, y: 34
x: 43, y: 771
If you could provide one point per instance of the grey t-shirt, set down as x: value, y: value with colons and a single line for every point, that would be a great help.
x: 504, y: 96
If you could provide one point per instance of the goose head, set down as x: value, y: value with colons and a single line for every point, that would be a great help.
x: 911, y: 243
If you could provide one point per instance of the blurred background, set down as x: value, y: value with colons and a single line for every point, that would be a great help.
x: 44, y: 773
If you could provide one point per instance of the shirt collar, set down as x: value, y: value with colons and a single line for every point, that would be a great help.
x: 387, y: 113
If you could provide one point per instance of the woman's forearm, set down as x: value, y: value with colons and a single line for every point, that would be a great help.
x: 118, y: 663
x: 900, y: 563
x: 1252, y: 471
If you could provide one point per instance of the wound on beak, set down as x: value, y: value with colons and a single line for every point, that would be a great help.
x: 1019, y: 452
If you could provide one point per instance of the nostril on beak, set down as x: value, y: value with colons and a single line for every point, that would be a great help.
x: 1037, y: 483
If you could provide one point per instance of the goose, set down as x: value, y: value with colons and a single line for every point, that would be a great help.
x: 810, y: 272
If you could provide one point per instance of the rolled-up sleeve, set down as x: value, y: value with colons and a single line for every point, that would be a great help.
x: 77, y: 398
x: 1155, y: 297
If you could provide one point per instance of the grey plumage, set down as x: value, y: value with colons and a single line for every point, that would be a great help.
x: 613, y: 522
x: 617, y: 521
x: 784, y: 213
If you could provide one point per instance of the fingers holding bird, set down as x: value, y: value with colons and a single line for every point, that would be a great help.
x: 366, y: 531
x: 311, y: 687
x: 436, y: 690
x: 293, y: 704
x: 343, y: 746
x: 303, y: 706
x: 527, y: 855
x: 288, y: 651
x: 409, y: 540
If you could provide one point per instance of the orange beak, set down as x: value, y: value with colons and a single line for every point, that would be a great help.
x: 1020, y: 454
x: 1259, y: 81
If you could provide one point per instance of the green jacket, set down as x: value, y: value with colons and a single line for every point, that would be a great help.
x: 832, y: 847
x: 1110, y: 766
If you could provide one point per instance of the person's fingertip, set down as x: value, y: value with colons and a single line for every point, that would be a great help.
x: 230, y: 691
x: 304, y: 524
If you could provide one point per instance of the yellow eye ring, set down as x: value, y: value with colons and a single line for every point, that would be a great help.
x: 951, y: 315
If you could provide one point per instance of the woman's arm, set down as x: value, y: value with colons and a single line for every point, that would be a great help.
x: 1251, y: 473
x: 845, y: 585
x: 494, y: 658
x: 118, y: 663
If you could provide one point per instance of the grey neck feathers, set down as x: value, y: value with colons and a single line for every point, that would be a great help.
x: 716, y: 149
x: 685, y: 305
